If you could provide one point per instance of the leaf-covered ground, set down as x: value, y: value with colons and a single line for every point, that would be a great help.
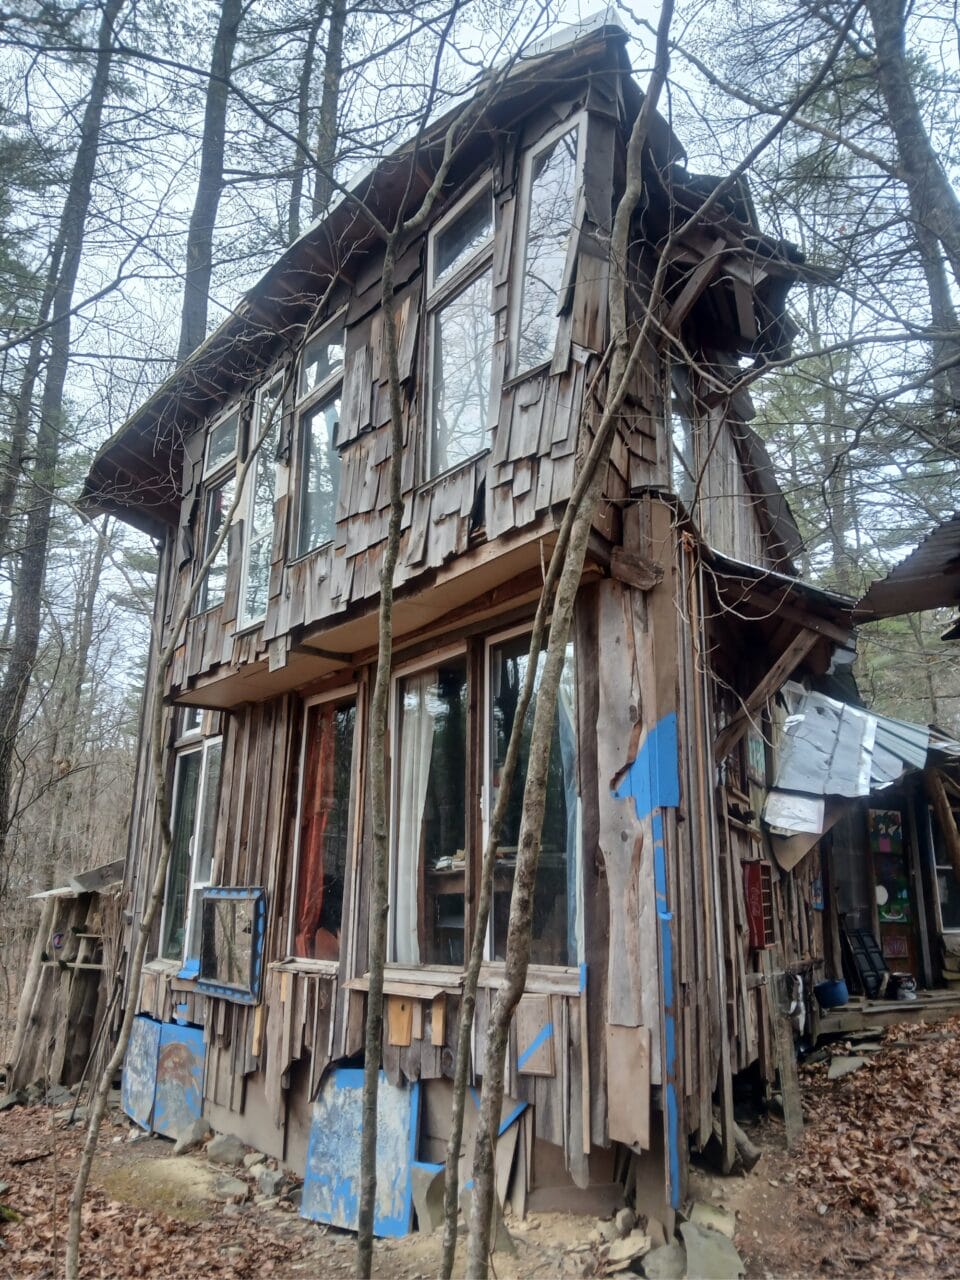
x: 872, y: 1191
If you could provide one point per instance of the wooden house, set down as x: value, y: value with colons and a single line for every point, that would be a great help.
x: 653, y: 980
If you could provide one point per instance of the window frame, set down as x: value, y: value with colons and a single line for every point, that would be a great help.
x: 343, y: 693
x: 491, y: 641
x: 578, y: 122
x: 437, y: 296
x: 248, y: 497
x: 189, y: 965
x: 211, y: 479
x: 303, y: 405
x: 410, y: 667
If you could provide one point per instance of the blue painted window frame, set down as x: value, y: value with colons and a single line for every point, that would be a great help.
x: 251, y: 993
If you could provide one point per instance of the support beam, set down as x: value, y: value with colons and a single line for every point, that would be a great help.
x: 946, y: 818
x: 779, y: 673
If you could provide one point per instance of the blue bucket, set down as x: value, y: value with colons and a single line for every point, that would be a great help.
x: 832, y: 994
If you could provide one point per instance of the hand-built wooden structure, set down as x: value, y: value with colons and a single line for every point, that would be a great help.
x: 662, y: 923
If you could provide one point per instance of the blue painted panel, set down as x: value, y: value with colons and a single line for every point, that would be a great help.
x: 179, y: 1094
x: 139, y: 1081
x: 653, y: 780
x: 331, y: 1183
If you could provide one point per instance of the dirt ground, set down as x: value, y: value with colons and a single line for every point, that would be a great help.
x: 871, y: 1191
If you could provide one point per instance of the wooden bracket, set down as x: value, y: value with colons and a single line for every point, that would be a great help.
x: 779, y: 673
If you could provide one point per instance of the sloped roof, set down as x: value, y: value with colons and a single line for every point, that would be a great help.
x: 928, y: 578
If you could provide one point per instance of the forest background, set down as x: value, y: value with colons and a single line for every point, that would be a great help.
x: 156, y: 156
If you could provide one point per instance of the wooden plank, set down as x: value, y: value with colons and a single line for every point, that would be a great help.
x: 535, y: 1036
x: 699, y: 279
x: 438, y: 1019
x: 781, y: 671
x: 628, y: 1085
x: 399, y: 1020
x: 946, y: 820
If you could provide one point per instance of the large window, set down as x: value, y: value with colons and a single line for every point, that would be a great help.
x: 318, y: 417
x: 430, y: 860
x: 549, y: 193
x: 461, y: 332
x: 325, y: 827
x: 196, y: 790
x: 556, y: 898
x: 258, y: 507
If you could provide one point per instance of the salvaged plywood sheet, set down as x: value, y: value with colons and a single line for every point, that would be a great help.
x: 628, y: 1085
x: 139, y: 1081
x: 331, y: 1184
x: 179, y: 1087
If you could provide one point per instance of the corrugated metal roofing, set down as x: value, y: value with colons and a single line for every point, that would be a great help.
x: 834, y: 749
x: 929, y: 578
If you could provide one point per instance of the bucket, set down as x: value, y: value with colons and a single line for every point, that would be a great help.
x: 832, y: 994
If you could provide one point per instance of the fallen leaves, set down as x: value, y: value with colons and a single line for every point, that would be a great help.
x: 880, y: 1153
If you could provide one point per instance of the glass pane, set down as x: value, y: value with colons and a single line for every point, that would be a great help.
x: 549, y: 222
x: 222, y: 444
x: 319, y: 474
x: 178, y: 871
x: 258, y: 579
x: 554, y: 905
x: 431, y: 816
x: 322, y: 358
x: 227, y: 948
x: 462, y: 351
x: 203, y: 860
x: 324, y: 830
x: 456, y: 244
x: 216, y: 505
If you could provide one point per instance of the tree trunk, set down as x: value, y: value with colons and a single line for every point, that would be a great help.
x: 933, y: 201
x: 303, y: 123
x: 33, y: 557
x: 327, y: 132
x: 196, y: 290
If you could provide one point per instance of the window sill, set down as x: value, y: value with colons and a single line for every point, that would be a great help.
x: 169, y: 967
x: 297, y: 964
x: 422, y: 983
x: 447, y: 472
x: 542, y: 979
x: 312, y: 551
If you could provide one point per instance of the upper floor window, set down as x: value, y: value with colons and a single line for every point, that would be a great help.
x: 219, y: 487
x: 461, y: 332
x: 196, y: 790
x: 548, y: 206
x: 318, y: 416
x: 259, y: 497
x: 327, y: 774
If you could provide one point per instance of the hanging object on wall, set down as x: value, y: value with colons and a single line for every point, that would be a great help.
x: 758, y: 894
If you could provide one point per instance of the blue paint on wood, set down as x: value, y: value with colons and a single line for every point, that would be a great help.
x: 653, y: 780
x: 331, y: 1184
x: 139, y: 1080
x: 540, y: 1039
x: 653, y: 783
x: 179, y: 1094
x: 583, y: 976
x: 665, y: 929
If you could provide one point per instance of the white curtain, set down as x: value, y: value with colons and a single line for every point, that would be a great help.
x: 416, y: 747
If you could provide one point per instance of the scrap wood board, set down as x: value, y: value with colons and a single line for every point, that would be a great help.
x: 331, y: 1184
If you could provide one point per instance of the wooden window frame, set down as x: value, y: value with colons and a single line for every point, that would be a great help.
x: 305, y: 404
x: 578, y: 121
x: 343, y: 693
x: 188, y: 964
x: 490, y: 642
x: 437, y: 298
x: 247, y: 622
x: 413, y: 666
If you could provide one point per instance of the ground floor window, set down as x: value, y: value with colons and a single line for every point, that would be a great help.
x: 196, y: 791
x: 325, y: 828
x: 556, y: 901
x: 430, y: 829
